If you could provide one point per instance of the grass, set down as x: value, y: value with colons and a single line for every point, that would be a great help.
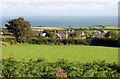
x: 91, y: 31
x: 106, y: 27
x: 47, y: 28
x: 59, y: 28
x: 7, y: 36
x: 51, y: 53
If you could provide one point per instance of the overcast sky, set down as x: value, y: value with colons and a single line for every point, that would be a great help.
x: 59, y: 7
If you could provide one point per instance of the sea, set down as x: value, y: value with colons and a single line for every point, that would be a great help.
x: 66, y: 21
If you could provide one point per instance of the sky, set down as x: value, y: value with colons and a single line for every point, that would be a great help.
x: 59, y: 7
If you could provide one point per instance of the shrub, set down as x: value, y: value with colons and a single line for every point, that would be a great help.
x: 10, y: 40
x: 69, y: 41
x: 59, y: 69
x: 104, y: 42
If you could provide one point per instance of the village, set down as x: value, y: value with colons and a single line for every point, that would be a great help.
x: 64, y: 33
x: 79, y: 33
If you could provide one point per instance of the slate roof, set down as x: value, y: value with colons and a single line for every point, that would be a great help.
x: 62, y: 33
x: 99, y: 35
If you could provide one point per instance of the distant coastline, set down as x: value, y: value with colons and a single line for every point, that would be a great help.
x: 67, y: 21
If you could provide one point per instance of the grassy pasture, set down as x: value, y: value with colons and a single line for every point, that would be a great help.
x: 47, y: 28
x: 97, y: 27
x: 51, y: 53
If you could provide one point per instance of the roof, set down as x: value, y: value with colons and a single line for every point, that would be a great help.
x: 38, y: 32
x: 62, y: 33
x: 99, y: 35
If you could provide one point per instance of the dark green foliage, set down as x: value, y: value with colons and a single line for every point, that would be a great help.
x: 69, y: 41
x: 42, y: 69
x: 74, y: 35
x: 50, y: 33
x: 112, y: 35
x: 6, y: 32
x: 104, y: 42
x: 20, y: 29
x: 88, y: 35
x: 10, y: 40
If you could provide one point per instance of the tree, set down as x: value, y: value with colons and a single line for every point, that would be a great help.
x: 88, y: 35
x: 112, y: 35
x: 76, y: 34
x: 20, y: 29
x: 49, y: 33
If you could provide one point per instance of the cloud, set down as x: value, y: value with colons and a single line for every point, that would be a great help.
x: 58, y: 7
x: 60, y: 0
x: 61, y: 4
x: 41, y: 3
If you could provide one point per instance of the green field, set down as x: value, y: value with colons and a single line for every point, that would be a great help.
x: 52, y: 53
x: 106, y: 27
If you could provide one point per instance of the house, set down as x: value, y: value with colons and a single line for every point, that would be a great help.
x: 71, y: 31
x: 1, y: 33
x: 62, y: 34
x: 39, y: 32
x: 82, y: 33
x: 43, y: 34
x: 99, y: 34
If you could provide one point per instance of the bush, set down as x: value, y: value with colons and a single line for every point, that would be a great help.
x: 59, y: 69
x: 54, y: 41
x: 69, y: 41
x: 10, y: 40
x: 104, y: 42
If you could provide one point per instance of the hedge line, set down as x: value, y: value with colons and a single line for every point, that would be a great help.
x: 60, y: 41
x: 69, y: 41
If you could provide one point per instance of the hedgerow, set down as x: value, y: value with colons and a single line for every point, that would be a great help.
x: 69, y: 41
